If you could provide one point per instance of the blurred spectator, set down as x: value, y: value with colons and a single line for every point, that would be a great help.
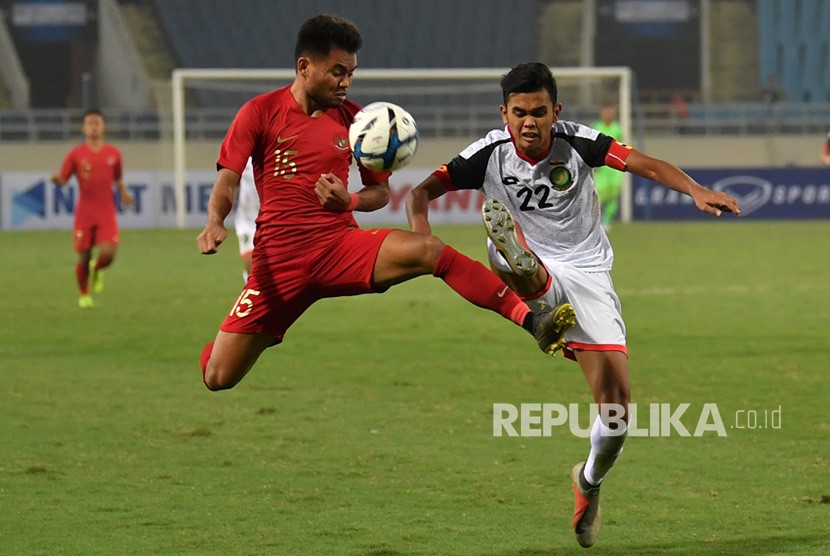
x: 679, y: 108
x: 825, y: 153
x: 772, y: 92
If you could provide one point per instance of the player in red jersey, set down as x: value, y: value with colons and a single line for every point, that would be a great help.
x: 308, y: 245
x: 96, y: 165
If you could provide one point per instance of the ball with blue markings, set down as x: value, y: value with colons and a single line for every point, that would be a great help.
x: 383, y: 137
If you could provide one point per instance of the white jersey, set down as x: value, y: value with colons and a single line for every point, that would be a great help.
x: 247, y: 210
x: 553, y: 200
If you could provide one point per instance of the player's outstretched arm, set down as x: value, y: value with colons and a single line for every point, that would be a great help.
x: 669, y: 175
x: 417, y: 204
x: 57, y: 179
x: 219, y: 207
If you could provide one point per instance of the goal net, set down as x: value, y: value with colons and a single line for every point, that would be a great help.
x: 449, y: 103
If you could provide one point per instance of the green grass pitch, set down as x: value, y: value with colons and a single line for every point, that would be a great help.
x: 370, y: 430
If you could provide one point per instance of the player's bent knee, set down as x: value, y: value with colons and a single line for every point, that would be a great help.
x: 214, y: 385
x: 213, y: 375
x: 431, y: 251
x: 217, y: 378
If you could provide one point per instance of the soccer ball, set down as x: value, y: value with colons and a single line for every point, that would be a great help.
x: 383, y: 137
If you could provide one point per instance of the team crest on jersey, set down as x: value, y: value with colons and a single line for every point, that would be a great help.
x: 560, y: 177
x: 85, y: 167
x: 340, y: 143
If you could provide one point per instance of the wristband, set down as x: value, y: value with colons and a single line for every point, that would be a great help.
x: 355, y: 199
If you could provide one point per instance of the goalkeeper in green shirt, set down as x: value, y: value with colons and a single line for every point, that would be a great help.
x: 608, y: 181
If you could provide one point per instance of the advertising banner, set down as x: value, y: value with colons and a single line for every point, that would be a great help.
x: 765, y: 193
x: 29, y: 201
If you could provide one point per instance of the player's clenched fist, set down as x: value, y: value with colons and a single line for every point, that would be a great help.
x: 331, y: 192
x: 211, y: 238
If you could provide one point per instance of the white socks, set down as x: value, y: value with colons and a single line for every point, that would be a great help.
x: 606, y: 446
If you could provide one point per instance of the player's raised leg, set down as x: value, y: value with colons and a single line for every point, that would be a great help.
x: 608, y: 377
x: 228, y: 358
x: 518, y: 267
x: 502, y: 232
x: 405, y: 255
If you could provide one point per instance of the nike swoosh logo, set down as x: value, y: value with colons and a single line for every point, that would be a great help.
x: 281, y: 140
x: 503, y: 292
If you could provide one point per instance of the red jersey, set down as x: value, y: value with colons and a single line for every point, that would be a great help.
x: 289, y: 150
x: 96, y: 172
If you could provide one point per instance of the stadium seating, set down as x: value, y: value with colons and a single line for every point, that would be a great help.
x: 794, y: 42
x: 205, y: 34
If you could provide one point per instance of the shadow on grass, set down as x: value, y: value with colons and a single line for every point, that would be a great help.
x: 773, y: 544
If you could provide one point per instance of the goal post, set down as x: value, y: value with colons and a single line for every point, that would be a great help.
x: 446, y: 102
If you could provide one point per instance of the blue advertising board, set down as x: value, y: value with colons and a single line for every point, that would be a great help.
x: 29, y: 201
x: 764, y: 193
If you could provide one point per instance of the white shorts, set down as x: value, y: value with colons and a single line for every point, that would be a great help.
x: 245, y: 234
x: 599, y: 322
x: 247, y: 210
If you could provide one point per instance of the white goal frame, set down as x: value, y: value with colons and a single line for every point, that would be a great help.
x: 182, y: 76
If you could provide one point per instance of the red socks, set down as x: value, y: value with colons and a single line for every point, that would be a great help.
x: 82, y: 274
x: 203, y: 359
x: 475, y: 283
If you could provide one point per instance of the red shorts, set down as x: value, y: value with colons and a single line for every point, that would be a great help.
x: 87, y: 234
x: 282, y: 285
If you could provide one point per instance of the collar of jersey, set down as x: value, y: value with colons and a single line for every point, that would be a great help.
x: 532, y: 161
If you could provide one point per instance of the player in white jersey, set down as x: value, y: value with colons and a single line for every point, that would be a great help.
x: 247, y: 210
x: 540, y: 171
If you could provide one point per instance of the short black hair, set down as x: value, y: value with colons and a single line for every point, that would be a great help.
x: 528, y: 78
x: 92, y: 112
x: 323, y: 32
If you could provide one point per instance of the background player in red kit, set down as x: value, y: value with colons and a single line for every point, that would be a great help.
x: 96, y: 165
x: 307, y: 244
